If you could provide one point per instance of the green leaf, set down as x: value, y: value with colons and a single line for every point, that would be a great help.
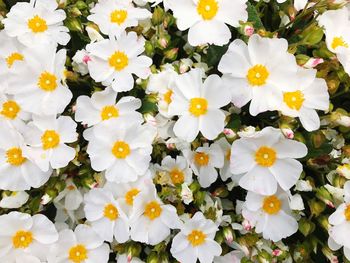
x: 253, y: 16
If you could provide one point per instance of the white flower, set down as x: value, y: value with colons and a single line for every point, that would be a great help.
x: 106, y: 216
x: 340, y: 225
x: 258, y: 70
x: 271, y: 215
x: 119, y: 145
x: 38, y: 83
x: 113, y: 62
x: 198, y: 105
x: 196, y: 241
x: 207, y: 19
x: 80, y: 60
x: 309, y: 93
x: 337, y: 29
x: 47, y: 138
x: 83, y: 246
x: 71, y: 197
x: 267, y: 159
x: 225, y: 171
x: 186, y: 194
x: 10, y: 55
x: 114, y: 16
x: 25, y: 238
x: 177, y: 169
x: 125, y: 193
x: 11, y: 112
x: 17, y: 171
x: 37, y: 23
x: 162, y: 83
x: 14, y: 200
x: 102, y: 106
x: 151, y: 220
x: 203, y: 162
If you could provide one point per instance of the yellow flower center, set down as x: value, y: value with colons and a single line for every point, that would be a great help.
x: 167, y: 96
x: 111, y: 212
x: 10, y: 109
x: 207, y: 9
x: 119, y: 16
x: 14, y: 156
x: 130, y: 195
x: 119, y: 60
x: 271, y: 205
x: 347, y: 213
x: 198, y: 106
x: 177, y: 176
x: 109, y: 112
x: 339, y: 42
x: 265, y: 156
x: 121, y: 149
x: 78, y: 253
x: 37, y: 24
x: 153, y: 210
x: 196, y: 238
x: 294, y: 100
x: 50, y: 139
x: 22, y: 239
x: 202, y: 159
x: 12, y: 58
x: 47, y: 81
x: 257, y: 75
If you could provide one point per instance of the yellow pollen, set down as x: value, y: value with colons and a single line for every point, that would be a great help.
x: 130, y: 195
x: 339, y: 42
x: 271, y: 205
x: 121, y: 149
x: 15, y: 157
x: 207, y: 9
x: 109, y: 112
x: 22, y: 239
x: 202, y: 159
x: 10, y: 109
x: 177, y: 176
x: 294, y: 100
x: 50, y: 139
x: 78, y: 254
x: 47, y: 81
x: 228, y: 154
x: 347, y: 213
x: 118, y: 60
x: 119, y: 16
x: 257, y: 75
x: 71, y: 187
x: 111, y: 212
x: 198, y: 106
x: 167, y: 96
x: 153, y: 210
x: 265, y: 156
x: 196, y: 238
x: 37, y: 24
x: 12, y: 58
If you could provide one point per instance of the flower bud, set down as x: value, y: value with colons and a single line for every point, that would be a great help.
x: 158, y: 16
x: 306, y: 227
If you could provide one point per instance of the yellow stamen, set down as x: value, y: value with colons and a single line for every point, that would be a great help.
x: 22, y: 239
x: 265, y: 156
x: 121, y: 149
x: 118, y: 60
x: 196, y: 238
x: 109, y: 112
x: 78, y: 254
x: 13, y: 57
x: 198, y: 106
x: 207, y: 9
x: 257, y: 75
x: 50, y: 139
x: 37, y: 24
x: 271, y: 204
x: 153, y: 210
x: 119, y: 16
x: 10, y: 109
x: 202, y: 159
x: 14, y: 156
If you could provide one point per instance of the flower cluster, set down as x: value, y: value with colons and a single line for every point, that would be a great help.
x: 174, y: 131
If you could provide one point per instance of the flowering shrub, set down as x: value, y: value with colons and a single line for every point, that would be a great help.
x: 174, y: 131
